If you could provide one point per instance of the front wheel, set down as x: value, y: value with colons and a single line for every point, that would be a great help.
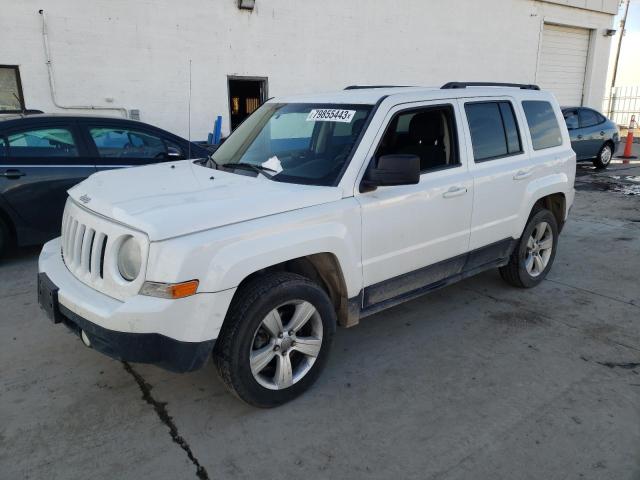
x: 533, y: 256
x: 604, y: 156
x: 276, y: 338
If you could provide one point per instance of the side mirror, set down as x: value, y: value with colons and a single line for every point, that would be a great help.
x: 392, y: 170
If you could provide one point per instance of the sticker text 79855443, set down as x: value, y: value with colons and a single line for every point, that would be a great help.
x: 330, y: 115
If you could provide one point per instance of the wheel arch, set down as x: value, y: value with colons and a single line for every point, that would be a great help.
x: 612, y: 144
x: 556, y: 203
x: 322, y: 268
x: 550, y: 193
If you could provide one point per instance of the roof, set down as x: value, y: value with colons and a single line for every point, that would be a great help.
x: 53, y: 116
x: 367, y: 96
x: 372, y: 95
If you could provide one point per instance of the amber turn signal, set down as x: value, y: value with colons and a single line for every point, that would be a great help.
x: 170, y: 290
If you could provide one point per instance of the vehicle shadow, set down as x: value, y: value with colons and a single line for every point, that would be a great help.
x: 20, y: 255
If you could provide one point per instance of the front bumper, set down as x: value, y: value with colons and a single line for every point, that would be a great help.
x: 175, y: 334
x: 151, y: 348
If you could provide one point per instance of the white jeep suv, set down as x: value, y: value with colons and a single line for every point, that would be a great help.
x: 318, y: 210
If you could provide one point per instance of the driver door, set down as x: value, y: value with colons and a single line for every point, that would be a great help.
x: 115, y: 146
x: 415, y: 236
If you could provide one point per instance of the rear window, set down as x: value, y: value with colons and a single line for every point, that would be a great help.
x: 588, y: 118
x: 543, y: 125
x: 494, y: 130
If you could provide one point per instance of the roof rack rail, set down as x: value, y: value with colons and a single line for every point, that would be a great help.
x: 522, y: 86
x: 362, y: 87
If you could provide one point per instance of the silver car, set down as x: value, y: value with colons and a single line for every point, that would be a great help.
x: 593, y: 136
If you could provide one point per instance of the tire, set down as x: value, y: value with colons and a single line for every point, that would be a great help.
x: 523, y: 270
x: 5, y: 238
x: 605, y: 155
x: 249, y: 331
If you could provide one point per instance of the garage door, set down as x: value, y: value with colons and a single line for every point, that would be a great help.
x: 563, y: 62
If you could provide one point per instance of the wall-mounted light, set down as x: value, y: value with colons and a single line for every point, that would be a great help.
x: 609, y: 32
x: 246, y: 4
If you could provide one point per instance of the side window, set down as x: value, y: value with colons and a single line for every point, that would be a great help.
x: 511, y: 130
x: 543, y: 125
x: 494, y: 130
x: 114, y: 142
x: 11, y: 98
x: 571, y: 119
x: 428, y: 133
x: 588, y: 118
x: 42, y: 142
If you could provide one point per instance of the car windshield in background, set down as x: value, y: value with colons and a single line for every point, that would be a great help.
x: 295, y: 142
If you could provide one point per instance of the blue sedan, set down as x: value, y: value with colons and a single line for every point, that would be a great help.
x: 593, y: 136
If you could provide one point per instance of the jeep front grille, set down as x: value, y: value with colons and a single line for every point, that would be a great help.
x: 90, y: 245
x: 83, y: 248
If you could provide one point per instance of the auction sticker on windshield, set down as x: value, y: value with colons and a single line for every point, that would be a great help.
x: 330, y: 115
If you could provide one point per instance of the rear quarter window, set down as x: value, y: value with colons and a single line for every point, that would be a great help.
x: 543, y: 125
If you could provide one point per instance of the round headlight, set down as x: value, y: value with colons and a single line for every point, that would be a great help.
x: 129, y: 259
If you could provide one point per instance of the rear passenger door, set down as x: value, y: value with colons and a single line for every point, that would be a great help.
x: 592, y: 132
x: 114, y: 145
x: 43, y: 161
x: 578, y: 142
x: 501, y: 170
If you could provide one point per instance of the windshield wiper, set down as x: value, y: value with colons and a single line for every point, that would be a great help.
x: 253, y: 168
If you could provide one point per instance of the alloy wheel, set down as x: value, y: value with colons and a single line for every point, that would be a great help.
x: 605, y: 156
x: 539, y: 247
x: 286, y: 344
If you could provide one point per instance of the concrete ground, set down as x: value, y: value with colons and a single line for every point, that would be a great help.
x: 476, y: 381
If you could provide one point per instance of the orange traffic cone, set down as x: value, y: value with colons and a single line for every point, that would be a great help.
x: 627, y: 147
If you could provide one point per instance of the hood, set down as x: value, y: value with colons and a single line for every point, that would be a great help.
x: 171, y: 199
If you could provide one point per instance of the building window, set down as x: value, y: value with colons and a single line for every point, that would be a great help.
x: 11, y: 98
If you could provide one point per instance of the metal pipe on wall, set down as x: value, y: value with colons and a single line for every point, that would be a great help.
x: 52, y: 85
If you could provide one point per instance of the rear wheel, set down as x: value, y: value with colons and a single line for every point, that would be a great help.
x: 533, y: 256
x: 276, y: 339
x: 605, y: 155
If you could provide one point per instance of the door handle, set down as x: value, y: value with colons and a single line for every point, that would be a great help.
x: 602, y: 134
x: 454, y: 192
x: 579, y: 137
x: 522, y: 174
x: 12, y: 173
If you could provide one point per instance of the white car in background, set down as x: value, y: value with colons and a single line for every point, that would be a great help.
x: 318, y: 210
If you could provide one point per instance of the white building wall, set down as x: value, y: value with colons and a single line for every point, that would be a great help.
x: 136, y: 52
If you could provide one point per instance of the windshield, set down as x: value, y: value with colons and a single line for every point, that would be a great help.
x: 295, y: 142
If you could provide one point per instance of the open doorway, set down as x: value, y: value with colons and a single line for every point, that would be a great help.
x: 246, y: 94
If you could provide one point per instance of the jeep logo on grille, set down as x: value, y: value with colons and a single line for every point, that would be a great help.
x: 85, y: 198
